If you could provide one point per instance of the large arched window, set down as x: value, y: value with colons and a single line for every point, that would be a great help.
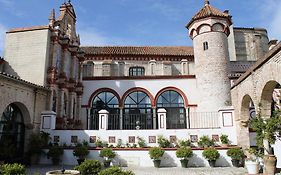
x: 137, y: 111
x: 173, y: 102
x: 11, y: 133
x: 105, y: 101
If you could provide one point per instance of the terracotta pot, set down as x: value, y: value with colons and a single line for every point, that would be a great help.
x: 270, y: 164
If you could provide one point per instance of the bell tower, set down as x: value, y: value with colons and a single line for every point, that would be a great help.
x: 209, y: 30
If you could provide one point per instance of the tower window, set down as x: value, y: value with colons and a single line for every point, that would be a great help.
x: 205, y: 46
x: 136, y: 71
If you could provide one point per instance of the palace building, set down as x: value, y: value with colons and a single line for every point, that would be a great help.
x: 117, y: 94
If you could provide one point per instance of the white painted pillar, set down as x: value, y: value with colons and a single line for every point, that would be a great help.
x: 103, y: 119
x: 88, y: 111
x: 162, y: 115
x: 154, y: 117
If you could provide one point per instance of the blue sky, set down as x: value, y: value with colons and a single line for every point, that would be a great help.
x: 138, y: 22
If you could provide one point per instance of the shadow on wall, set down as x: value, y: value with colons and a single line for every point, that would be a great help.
x: 168, y: 161
x: 196, y: 161
x: 7, y: 68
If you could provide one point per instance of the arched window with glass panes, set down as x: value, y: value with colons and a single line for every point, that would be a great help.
x: 137, y: 112
x: 105, y: 101
x: 173, y: 102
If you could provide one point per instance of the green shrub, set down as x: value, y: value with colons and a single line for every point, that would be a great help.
x: 211, y: 154
x: 163, y: 142
x: 184, y: 143
x: 184, y: 152
x: 107, y: 153
x: 205, y: 142
x: 115, y: 171
x: 156, y: 153
x: 81, y: 151
x: 88, y: 167
x: 141, y: 142
x: 55, y: 151
x: 224, y: 139
x: 9, y: 169
x: 235, y: 153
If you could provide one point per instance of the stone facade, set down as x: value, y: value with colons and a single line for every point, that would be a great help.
x: 256, y: 86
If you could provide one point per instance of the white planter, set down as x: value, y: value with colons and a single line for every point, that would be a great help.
x: 252, y: 167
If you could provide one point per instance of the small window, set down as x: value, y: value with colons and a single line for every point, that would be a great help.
x: 205, y: 46
x: 136, y: 71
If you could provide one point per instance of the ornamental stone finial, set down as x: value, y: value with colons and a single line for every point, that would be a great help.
x: 207, y: 2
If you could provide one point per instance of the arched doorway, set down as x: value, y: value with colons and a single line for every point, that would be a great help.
x: 248, y: 112
x: 270, y: 99
x: 12, y: 131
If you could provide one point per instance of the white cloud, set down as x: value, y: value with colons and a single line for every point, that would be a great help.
x: 3, y: 30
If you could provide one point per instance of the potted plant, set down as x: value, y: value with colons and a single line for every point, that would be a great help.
x: 237, y: 155
x: 205, y: 142
x: 251, y: 162
x: 89, y: 167
x: 224, y: 140
x: 80, y: 151
x: 184, y: 153
x: 37, y: 142
x: 268, y: 131
x: 108, y: 154
x: 155, y: 153
x: 163, y: 142
x: 211, y: 154
x: 55, y: 152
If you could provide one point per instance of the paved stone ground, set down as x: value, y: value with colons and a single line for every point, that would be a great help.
x: 153, y: 171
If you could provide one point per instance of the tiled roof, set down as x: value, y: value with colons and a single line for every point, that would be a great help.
x: 140, y: 50
x: 28, y: 29
x: 240, y: 66
x: 209, y: 11
x: 4, y: 74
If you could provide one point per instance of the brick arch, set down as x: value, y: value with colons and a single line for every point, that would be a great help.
x: 202, y: 25
x: 134, y: 90
x: 171, y: 89
x: 266, y: 98
x: 220, y: 24
x: 98, y: 91
x: 245, y: 105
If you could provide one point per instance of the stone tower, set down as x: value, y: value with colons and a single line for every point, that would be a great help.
x: 209, y: 30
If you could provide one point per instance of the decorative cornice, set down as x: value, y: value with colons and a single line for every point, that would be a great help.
x: 140, y: 77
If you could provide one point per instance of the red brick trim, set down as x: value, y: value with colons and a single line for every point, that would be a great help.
x: 140, y: 77
x: 173, y: 89
x: 100, y: 91
x: 134, y: 90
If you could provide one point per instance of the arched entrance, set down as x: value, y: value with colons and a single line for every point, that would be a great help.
x: 270, y: 98
x: 248, y: 112
x: 12, y: 132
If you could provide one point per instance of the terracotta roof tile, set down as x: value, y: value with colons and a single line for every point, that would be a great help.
x: 140, y: 50
x: 209, y: 11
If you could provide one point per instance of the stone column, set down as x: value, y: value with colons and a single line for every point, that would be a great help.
x: 71, y: 104
x: 162, y: 114
x: 103, y: 119
x: 60, y: 103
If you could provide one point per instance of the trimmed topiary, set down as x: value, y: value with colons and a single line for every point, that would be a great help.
x: 89, y: 167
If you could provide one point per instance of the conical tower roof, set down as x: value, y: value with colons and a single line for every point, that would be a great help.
x: 209, y: 11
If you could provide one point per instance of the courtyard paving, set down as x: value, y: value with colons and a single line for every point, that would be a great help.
x: 153, y: 171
